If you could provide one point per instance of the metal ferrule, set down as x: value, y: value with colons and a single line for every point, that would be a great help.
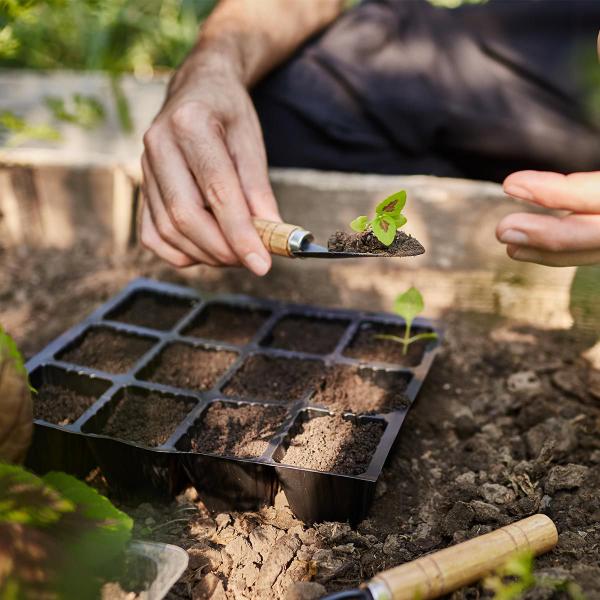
x: 379, y: 590
x: 297, y: 238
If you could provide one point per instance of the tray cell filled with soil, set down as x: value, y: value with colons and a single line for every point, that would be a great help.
x: 357, y: 390
x: 62, y: 396
x: 151, y: 309
x: 107, y: 350
x: 141, y: 416
x: 186, y: 366
x: 366, y: 346
x: 229, y: 429
x: 278, y: 379
x: 331, y: 443
x: 306, y: 334
x: 227, y: 323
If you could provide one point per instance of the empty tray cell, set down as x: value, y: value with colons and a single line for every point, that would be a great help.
x: 306, y: 334
x: 240, y: 430
x: 361, y: 390
x: 62, y: 397
x: 151, y: 309
x: 331, y: 443
x: 368, y: 347
x: 141, y: 416
x: 274, y: 378
x: 186, y: 366
x: 227, y: 323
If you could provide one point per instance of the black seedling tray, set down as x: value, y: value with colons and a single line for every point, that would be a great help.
x: 224, y: 482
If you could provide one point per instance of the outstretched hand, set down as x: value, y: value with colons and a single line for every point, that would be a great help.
x: 557, y: 241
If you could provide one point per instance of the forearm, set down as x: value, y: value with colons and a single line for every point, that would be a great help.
x: 251, y: 37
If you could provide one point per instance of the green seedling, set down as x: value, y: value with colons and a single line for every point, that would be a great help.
x: 387, y: 220
x: 408, y: 305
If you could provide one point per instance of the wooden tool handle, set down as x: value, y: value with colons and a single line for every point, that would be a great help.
x: 450, y: 569
x: 276, y: 236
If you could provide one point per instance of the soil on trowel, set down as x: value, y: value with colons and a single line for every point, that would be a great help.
x: 304, y: 334
x: 155, y: 311
x: 185, y: 366
x: 59, y: 404
x: 107, y: 350
x: 273, y: 378
x: 351, y: 389
x: 334, y: 444
x: 368, y: 347
x: 146, y: 418
x: 366, y: 243
x: 242, y: 431
x: 227, y: 324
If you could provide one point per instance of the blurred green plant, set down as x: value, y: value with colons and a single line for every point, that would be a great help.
x: 14, y: 130
x: 59, y: 538
x: 85, y: 111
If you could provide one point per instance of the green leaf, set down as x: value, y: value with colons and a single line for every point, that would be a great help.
x: 9, y: 350
x: 384, y: 228
x: 392, y: 205
x: 401, y: 221
x: 360, y: 223
x: 409, y: 304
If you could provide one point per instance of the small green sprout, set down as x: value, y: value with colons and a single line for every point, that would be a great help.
x: 408, y: 305
x: 387, y: 220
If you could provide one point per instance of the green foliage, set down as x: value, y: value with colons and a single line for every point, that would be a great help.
x: 517, y: 577
x: 408, y: 305
x: 85, y: 111
x: 387, y: 220
x: 58, y: 536
x: 14, y: 130
x: 9, y: 351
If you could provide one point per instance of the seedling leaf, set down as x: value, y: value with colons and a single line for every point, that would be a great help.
x: 409, y: 304
x: 392, y: 205
x: 401, y: 221
x: 384, y: 228
x: 360, y: 223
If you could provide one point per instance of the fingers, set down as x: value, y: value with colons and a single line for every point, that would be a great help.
x: 577, y: 192
x: 554, y: 259
x: 151, y: 240
x: 203, y: 146
x: 572, y: 233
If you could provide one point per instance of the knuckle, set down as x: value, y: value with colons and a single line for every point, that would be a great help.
x: 146, y: 239
x: 180, y: 217
x: 186, y: 117
x: 216, y: 194
x: 151, y: 137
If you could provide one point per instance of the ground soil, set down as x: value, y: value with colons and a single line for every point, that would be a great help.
x: 264, y: 377
x: 304, y: 334
x: 107, y: 350
x: 367, y: 243
x: 185, y: 366
x: 59, y: 405
x: 335, y: 444
x: 222, y: 322
x: 231, y: 430
x: 146, y: 418
x: 152, y: 310
x: 359, y: 390
x: 367, y: 347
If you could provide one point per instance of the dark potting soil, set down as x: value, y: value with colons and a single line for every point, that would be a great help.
x: 227, y: 323
x: 368, y: 347
x: 60, y: 405
x: 231, y: 430
x: 351, y: 389
x: 302, y: 334
x: 366, y: 243
x: 146, y: 418
x: 153, y: 311
x: 335, y: 444
x: 107, y: 350
x: 185, y: 366
x: 273, y: 378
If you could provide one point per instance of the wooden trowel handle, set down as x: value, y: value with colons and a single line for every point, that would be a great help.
x: 450, y: 569
x: 280, y: 238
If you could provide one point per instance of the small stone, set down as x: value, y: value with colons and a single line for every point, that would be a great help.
x: 497, y: 494
x: 464, y: 423
x: 305, y: 590
x: 524, y: 382
x: 560, y: 433
x: 222, y: 520
x: 565, y: 477
x: 467, y: 478
x: 458, y: 518
x: 485, y: 512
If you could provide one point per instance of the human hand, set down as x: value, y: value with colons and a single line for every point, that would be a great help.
x: 558, y: 241
x: 205, y: 173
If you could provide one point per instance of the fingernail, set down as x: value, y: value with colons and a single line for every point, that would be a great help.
x: 512, y: 236
x: 516, y: 191
x: 256, y: 263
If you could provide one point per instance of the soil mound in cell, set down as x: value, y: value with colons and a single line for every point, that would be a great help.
x: 366, y: 243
